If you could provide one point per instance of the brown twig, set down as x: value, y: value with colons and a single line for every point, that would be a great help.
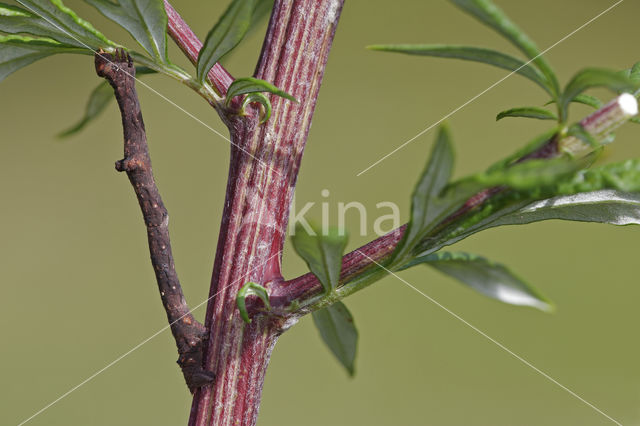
x: 189, y: 334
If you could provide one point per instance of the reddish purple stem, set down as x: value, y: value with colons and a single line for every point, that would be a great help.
x: 190, y: 45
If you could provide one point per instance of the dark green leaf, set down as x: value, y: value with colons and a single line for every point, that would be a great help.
x: 98, y: 100
x: 322, y: 252
x: 528, y: 112
x: 594, y: 77
x: 262, y: 10
x: 50, y: 18
x: 145, y: 20
x: 491, y: 279
x: 247, y: 290
x: 518, y: 186
x: 433, y: 200
x: 425, y: 208
x: 242, y: 86
x: 469, y: 53
x: 528, y: 175
x: 18, y: 51
x: 623, y: 176
x: 634, y: 73
x: 225, y: 35
x: 489, y: 14
x: 338, y: 331
x: 529, y: 148
x: 588, y: 100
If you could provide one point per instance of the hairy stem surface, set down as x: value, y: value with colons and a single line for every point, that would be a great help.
x: 263, y: 169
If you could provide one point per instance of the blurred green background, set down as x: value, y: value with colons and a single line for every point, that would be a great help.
x: 78, y: 290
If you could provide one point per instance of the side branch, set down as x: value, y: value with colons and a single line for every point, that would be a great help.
x: 190, y: 45
x: 292, y: 296
x: 188, y: 333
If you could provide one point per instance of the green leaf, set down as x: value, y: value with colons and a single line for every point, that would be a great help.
x: 528, y: 112
x: 336, y: 327
x: 469, y: 53
x: 529, y: 148
x: 263, y: 100
x: 588, y: 100
x: 619, y: 181
x: 527, y: 175
x: 19, y: 51
x: 98, y: 100
x: 623, y: 176
x: 262, y: 10
x: 243, y: 86
x: 248, y: 289
x: 52, y: 19
x: 634, y: 74
x: 603, y: 206
x: 491, y: 279
x: 489, y: 14
x: 322, y: 252
x: 594, y: 77
x: 425, y: 205
x: 433, y: 200
x: 225, y: 35
x: 145, y: 20
x: 517, y: 186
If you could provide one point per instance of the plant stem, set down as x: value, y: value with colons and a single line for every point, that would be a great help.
x: 189, y: 334
x: 262, y: 176
x: 360, y: 268
x: 190, y: 45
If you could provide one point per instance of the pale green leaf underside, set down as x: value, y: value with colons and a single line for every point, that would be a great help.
x: 604, y: 206
x: 491, y: 279
x: 336, y: 327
